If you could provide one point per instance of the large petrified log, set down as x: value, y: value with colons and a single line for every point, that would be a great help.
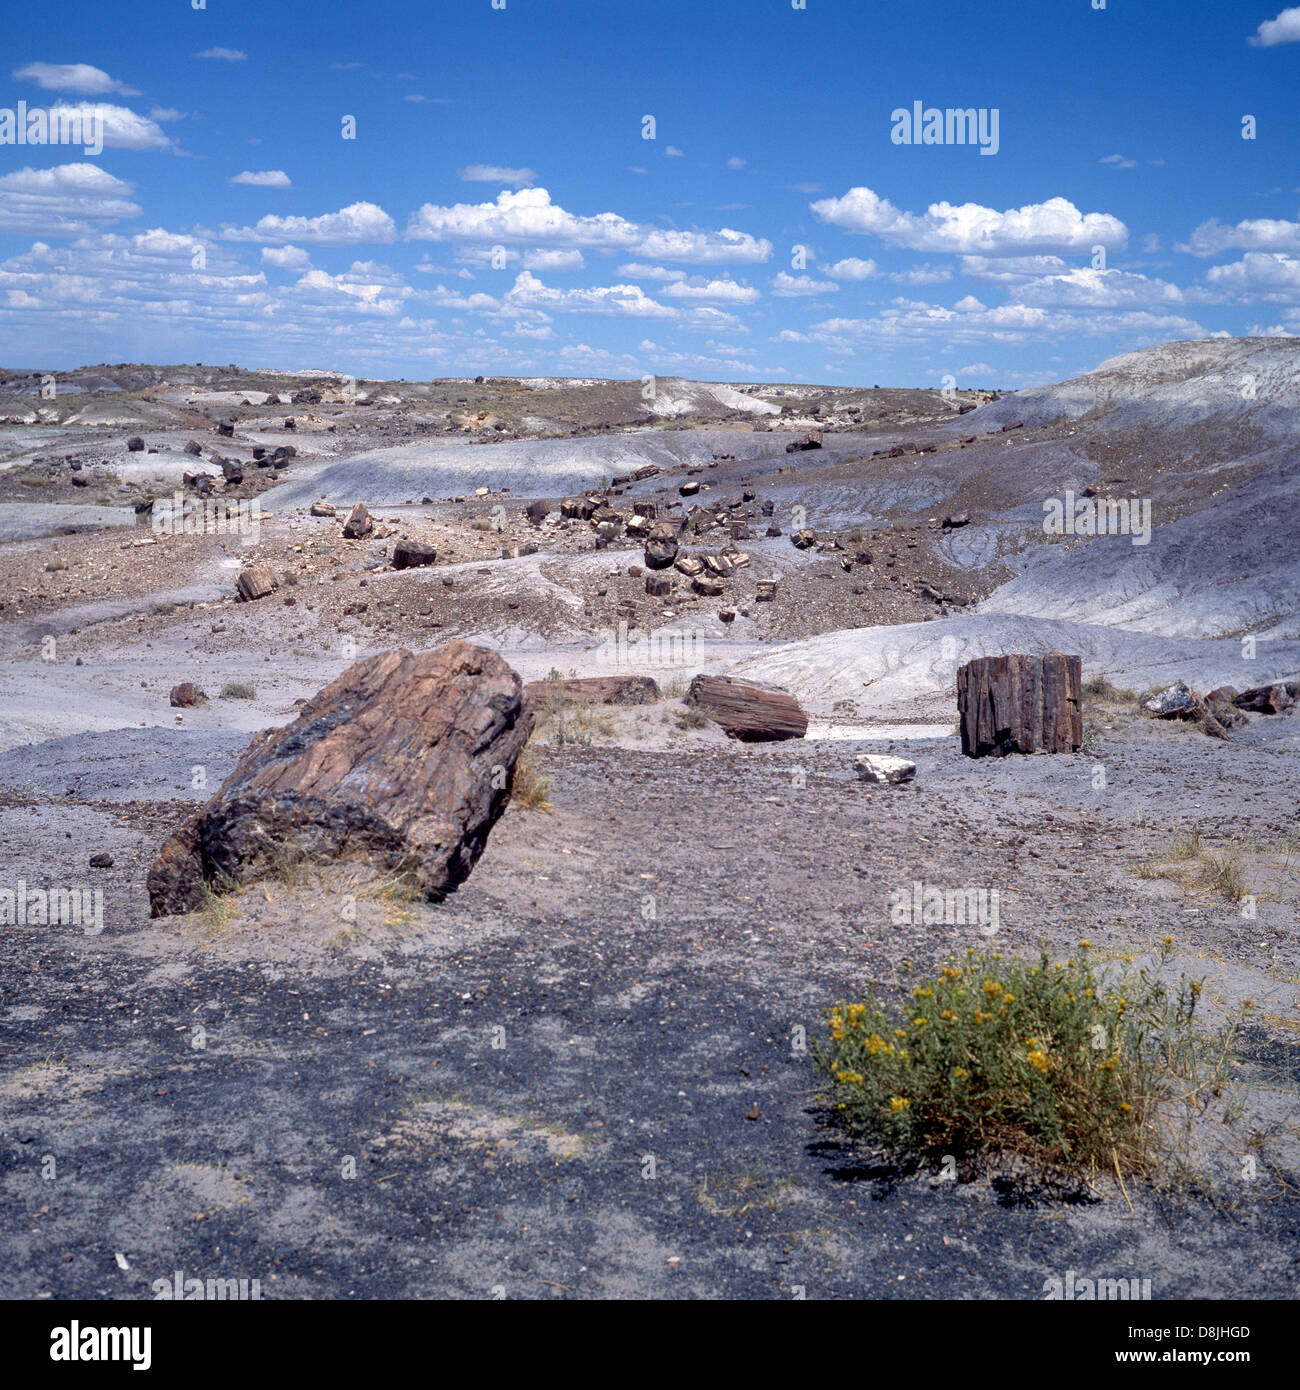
x: 594, y: 690
x: 1020, y: 704
x: 747, y: 711
x: 404, y: 761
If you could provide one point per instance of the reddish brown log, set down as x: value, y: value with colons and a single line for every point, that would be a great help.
x: 404, y: 762
x: 747, y: 711
x: 594, y: 690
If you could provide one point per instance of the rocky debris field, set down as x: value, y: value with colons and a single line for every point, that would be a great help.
x: 733, y: 618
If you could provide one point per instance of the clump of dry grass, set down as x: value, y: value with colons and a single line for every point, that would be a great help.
x: 530, y: 788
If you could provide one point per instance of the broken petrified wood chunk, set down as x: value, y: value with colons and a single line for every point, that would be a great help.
x: 884, y: 768
x: 661, y: 546
x: 411, y: 554
x: 595, y: 690
x: 359, y: 523
x: 803, y: 540
x: 537, y: 511
x: 811, y: 440
x: 254, y: 582
x: 322, y: 509
x: 706, y: 587
x: 1269, y: 699
x: 186, y: 694
x: 1020, y: 704
x: 748, y: 711
x: 404, y: 762
x: 658, y: 585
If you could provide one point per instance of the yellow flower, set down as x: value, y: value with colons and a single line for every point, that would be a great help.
x: 1031, y: 1042
x: 849, y: 1078
x: 919, y: 1022
x: 982, y: 1017
x: 1008, y: 999
x: 1038, y: 1060
x: 1125, y: 1106
x: 947, y: 1014
x: 960, y: 1072
x: 900, y: 1032
x: 950, y: 974
x: 1166, y: 941
x: 1084, y: 945
x: 991, y: 988
x: 920, y: 992
x: 899, y: 1103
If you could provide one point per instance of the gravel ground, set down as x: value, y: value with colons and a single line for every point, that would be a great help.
x: 580, y: 1076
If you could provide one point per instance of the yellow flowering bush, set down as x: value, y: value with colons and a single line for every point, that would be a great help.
x: 1054, y: 1060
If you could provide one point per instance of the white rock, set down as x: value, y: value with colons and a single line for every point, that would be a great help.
x: 881, y: 767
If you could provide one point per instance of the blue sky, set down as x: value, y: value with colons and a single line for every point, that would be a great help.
x: 500, y: 210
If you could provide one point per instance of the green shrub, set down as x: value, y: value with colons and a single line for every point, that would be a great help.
x: 237, y: 690
x: 1041, y: 1059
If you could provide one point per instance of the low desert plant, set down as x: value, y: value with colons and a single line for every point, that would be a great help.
x: 530, y: 788
x: 237, y: 690
x: 1101, y: 690
x: 1053, y: 1061
x: 1222, y: 873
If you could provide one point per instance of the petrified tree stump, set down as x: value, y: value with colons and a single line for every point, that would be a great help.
x: 747, y: 711
x: 1020, y: 704
x: 404, y: 761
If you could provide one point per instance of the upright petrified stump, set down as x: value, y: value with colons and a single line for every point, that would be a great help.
x: 1020, y: 704
x: 747, y: 711
x: 404, y: 761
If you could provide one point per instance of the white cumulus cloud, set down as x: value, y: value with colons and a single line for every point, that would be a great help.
x: 1284, y: 29
x: 73, y: 77
x: 971, y: 229
x: 360, y: 222
x: 267, y: 178
x: 67, y: 200
x: 791, y: 286
x: 493, y: 173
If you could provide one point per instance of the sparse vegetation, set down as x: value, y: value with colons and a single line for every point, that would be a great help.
x: 530, y: 788
x: 237, y: 690
x: 1100, y: 690
x: 1064, y: 1066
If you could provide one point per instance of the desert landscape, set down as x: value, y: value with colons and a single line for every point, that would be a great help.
x: 704, y: 640
x: 648, y: 654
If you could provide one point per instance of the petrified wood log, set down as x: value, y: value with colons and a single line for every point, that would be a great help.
x: 747, y: 711
x: 661, y: 546
x: 254, y: 582
x: 1020, y: 704
x: 412, y: 554
x: 594, y: 690
x: 404, y: 761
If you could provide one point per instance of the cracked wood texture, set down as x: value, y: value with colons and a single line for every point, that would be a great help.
x: 405, y: 761
x: 1020, y: 704
x: 746, y: 711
